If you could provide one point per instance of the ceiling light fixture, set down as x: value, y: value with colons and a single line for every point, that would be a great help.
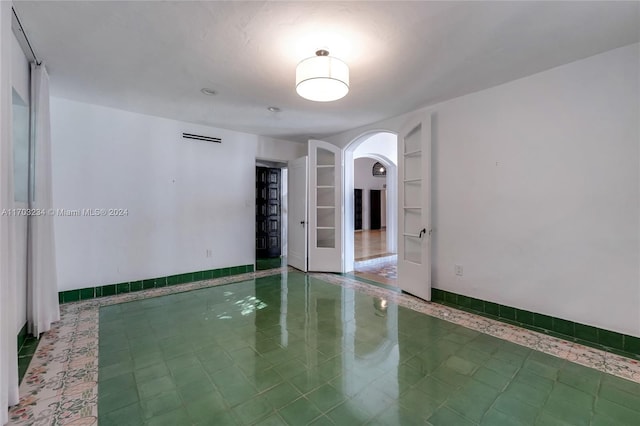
x: 209, y: 92
x: 322, y: 78
x: 273, y: 109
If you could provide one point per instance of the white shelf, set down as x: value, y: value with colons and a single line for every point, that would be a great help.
x: 412, y: 207
x: 325, y: 166
x: 412, y: 180
x: 413, y: 153
x: 325, y: 207
x: 325, y: 186
x: 325, y: 227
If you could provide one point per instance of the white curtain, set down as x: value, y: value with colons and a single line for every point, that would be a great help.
x: 8, y: 320
x: 42, y: 286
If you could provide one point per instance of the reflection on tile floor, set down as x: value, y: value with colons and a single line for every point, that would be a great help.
x: 270, y: 263
x: 324, y: 349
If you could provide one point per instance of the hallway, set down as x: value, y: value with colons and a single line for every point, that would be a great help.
x: 372, y: 261
x: 370, y: 244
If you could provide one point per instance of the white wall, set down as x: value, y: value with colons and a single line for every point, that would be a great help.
x: 183, y: 197
x: 536, y: 191
x: 364, y: 179
x: 279, y: 150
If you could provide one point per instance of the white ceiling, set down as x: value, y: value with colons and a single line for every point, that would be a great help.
x: 154, y: 57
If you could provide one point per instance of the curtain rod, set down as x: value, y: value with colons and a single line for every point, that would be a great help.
x: 24, y: 34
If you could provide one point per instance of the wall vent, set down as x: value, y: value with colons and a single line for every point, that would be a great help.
x: 201, y: 138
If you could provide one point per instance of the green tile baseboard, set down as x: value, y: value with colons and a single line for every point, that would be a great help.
x: 609, y: 341
x: 27, y: 345
x: 131, y: 286
x: 22, y: 336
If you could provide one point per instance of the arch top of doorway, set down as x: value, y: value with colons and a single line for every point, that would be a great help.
x: 386, y: 156
x: 358, y: 140
x: 387, y: 162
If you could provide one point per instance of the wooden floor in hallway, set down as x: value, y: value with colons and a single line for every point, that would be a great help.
x: 372, y: 257
x: 369, y: 244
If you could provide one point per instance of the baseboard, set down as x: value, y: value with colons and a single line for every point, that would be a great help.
x: 22, y: 336
x: 131, y: 286
x: 27, y: 346
x: 607, y: 340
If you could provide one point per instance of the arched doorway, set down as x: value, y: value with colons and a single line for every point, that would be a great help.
x: 380, y: 145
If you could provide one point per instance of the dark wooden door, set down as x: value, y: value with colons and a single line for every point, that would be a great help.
x: 267, y: 213
x: 357, y: 209
x: 375, y: 209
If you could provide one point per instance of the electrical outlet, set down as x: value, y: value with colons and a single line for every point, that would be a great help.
x: 459, y: 270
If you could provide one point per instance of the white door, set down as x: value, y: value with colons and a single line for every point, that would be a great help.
x: 414, y: 204
x: 297, y: 222
x: 325, y: 207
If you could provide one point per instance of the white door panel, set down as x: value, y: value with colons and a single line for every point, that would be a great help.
x: 414, y: 208
x: 325, y: 207
x: 297, y: 221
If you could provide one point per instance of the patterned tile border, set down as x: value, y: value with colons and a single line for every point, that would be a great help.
x: 61, y: 386
x: 598, y: 338
x: 607, y: 362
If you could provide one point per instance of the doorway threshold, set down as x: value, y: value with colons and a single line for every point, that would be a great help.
x: 383, y: 270
x: 375, y: 260
x: 365, y: 278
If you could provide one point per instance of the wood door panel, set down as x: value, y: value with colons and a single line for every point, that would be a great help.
x: 357, y: 209
x: 375, y: 212
x: 268, y: 212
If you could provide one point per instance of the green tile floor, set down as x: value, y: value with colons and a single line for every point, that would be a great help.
x: 293, y: 350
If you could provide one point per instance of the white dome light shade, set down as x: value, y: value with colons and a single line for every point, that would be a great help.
x: 322, y: 78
